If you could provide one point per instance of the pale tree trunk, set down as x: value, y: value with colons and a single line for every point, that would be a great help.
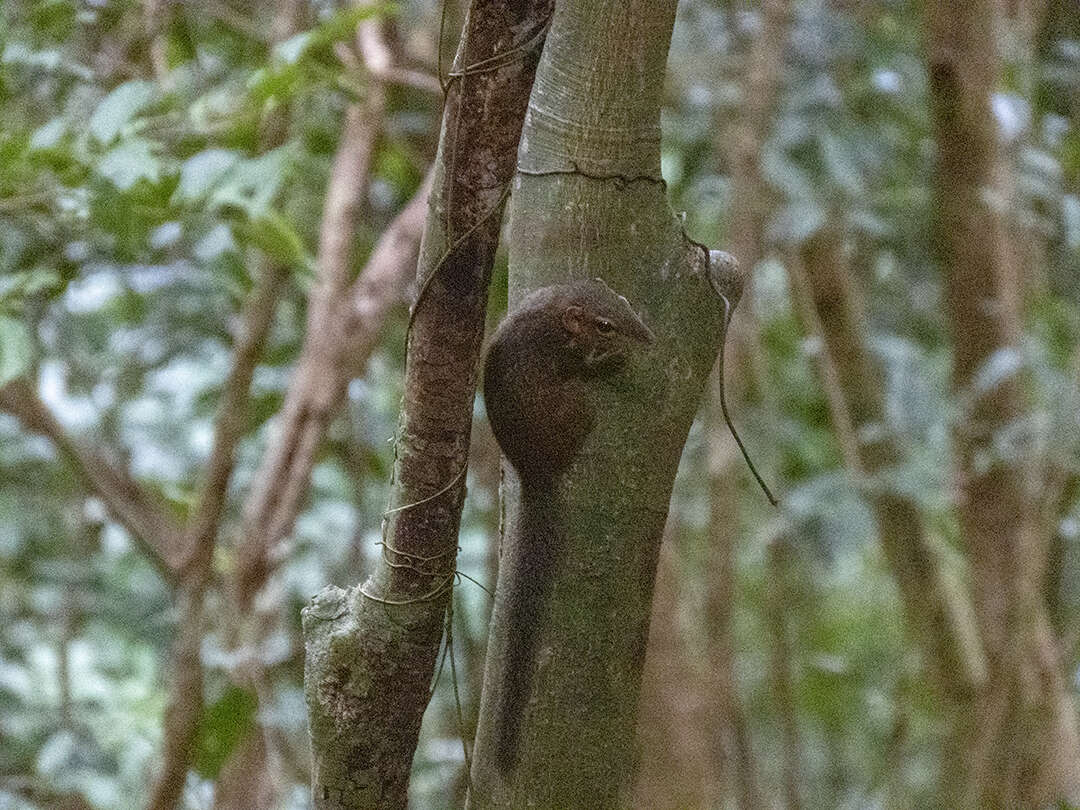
x: 345, y: 318
x: 936, y: 612
x: 1020, y: 738
x: 371, y: 651
x: 778, y: 602
x: 751, y: 201
x: 676, y: 766
x: 589, y: 202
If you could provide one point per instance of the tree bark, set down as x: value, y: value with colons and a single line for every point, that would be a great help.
x: 937, y: 612
x: 676, y: 767
x: 751, y: 201
x: 371, y: 652
x: 778, y: 601
x: 1020, y: 738
x: 589, y: 201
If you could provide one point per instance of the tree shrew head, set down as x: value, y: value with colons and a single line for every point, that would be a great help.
x: 541, y: 362
x: 600, y: 326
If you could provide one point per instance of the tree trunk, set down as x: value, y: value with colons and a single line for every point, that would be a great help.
x: 589, y: 201
x: 936, y: 613
x: 751, y: 200
x: 676, y: 768
x: 1020, y: 738
x: 371, y: 651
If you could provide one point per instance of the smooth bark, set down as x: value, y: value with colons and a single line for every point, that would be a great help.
x: 1020, y: 740
x: 751, y: 201
x: 589, y: 202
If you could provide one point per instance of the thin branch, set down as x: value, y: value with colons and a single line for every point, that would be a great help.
x: 155, y: 16
x: 184, y: 710
x: 232, y: 417
x: 337, y: 347
x: 384, y: 281
x: 777, y: 607
x: 937, y: 614
x: 408, y: 77
x: 380, y: 64
x: 843, y: 424
x: 154, y: 532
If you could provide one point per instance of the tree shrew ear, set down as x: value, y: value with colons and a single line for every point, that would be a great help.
x: 573, y: 319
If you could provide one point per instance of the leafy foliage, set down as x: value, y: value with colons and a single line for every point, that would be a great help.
x: 148, y: 167
x: 136, y: 199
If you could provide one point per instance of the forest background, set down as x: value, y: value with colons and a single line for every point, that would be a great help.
x: 210, y: 214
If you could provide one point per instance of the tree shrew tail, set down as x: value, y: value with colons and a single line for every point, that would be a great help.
x: 533, y: 559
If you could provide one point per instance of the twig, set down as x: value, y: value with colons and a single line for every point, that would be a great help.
x: 184, y: 710
x: 727, y: 416
x: 156, y: 535
x: 318, y: 388
x: 232, y: 415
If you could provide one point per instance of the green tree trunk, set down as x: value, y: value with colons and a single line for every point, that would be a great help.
x: 589, y: 202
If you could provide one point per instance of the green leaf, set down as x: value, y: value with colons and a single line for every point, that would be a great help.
x: 18, y: 286
x: 278, y: 239
x: 224, y: 725
x: 119, y: 107
x: 1070, y: 220
x: 48, y: 135
x: 252, y: 184
x: 131, y: 161
x: 784, y: 174
x: 842, y: 163
x: 796, y: 222
x: 294, y: 47
x: 52, y: 60
x: 16, y: 349
x: 276, y: 81
x: 340, y: 26
x: 200, y: 172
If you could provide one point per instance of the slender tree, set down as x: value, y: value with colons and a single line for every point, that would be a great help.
x: 589, y: 202
x: 1019, y: 735
x: 742, y: 145
x: 371, y: 651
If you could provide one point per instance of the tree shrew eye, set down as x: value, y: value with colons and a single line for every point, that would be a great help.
x: 604, y: 326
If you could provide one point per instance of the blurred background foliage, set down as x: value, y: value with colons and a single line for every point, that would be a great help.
x: 137, y: 194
